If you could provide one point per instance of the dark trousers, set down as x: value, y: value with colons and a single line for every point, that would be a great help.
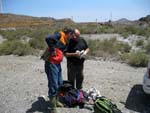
x: 75, y: 74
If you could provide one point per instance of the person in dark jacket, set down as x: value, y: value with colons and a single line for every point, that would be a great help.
x: 56, y: 44
x: 58, y: 40
x: 76, y: 53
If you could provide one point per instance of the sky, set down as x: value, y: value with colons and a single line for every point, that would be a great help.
x: 79, y: 10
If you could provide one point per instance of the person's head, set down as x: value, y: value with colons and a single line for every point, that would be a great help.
x: 68, y: 32
x: 76, y: 34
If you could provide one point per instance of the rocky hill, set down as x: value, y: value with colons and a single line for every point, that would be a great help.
x: 145, y: 19
x: 141, y: 22
x: 123, y: 21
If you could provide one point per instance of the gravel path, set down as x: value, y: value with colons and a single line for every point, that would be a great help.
x: 23, y: 85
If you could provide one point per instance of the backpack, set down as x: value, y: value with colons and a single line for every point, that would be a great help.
x: 73, y: 98
x: 104, y: 105
x: 65, y: 87
x: 45, y: 55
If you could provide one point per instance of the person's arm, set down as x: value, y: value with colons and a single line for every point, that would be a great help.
x: 75, y: 54
x: 86, y: 46
x: 52, y: 40
x: 87, y: 50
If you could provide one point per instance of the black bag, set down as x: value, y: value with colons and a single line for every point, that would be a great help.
x: 65, y: 87
x: 104, y: 105
x: 46, y: 54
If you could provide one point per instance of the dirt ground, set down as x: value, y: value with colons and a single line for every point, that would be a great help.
x: 23, y: 85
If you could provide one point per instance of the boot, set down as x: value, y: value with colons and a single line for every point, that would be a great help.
x: 58, y: 103
x: 53, y: 104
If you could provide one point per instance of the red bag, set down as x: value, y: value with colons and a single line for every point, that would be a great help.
x: 56, y: 59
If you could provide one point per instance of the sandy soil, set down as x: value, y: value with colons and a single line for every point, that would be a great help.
x: 23, y: 85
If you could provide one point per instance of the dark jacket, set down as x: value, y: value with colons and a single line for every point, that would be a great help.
x: 57, y: 40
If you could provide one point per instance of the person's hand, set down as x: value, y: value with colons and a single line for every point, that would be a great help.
x: 83, y: 55
x: 78, y: 54
x: 78, y: 51
x: 81, y: 52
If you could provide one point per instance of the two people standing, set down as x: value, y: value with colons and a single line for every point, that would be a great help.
x: 75, y: 50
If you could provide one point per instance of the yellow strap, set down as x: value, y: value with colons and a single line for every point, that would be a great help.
x: 63, y: 38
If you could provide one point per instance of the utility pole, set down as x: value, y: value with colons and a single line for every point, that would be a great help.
x: 1, y: 6
x: 96, y: 26
x: 111, y: 16
x: 72, y: 18
x: 110, y: 20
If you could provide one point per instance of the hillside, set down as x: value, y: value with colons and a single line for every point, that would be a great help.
x: 145, y: 19
x: 123, y: 21
x: 15, y: 21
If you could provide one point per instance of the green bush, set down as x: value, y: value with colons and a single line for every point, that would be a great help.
x: 131, y: 29
x: 107, y: 48
x: 125, y: 35
x: 139, y: 43
x: 147, y: 47
x: 123, y: 47
x: 15, y: 47
x: 139, y: 59
x: 37, y: 43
